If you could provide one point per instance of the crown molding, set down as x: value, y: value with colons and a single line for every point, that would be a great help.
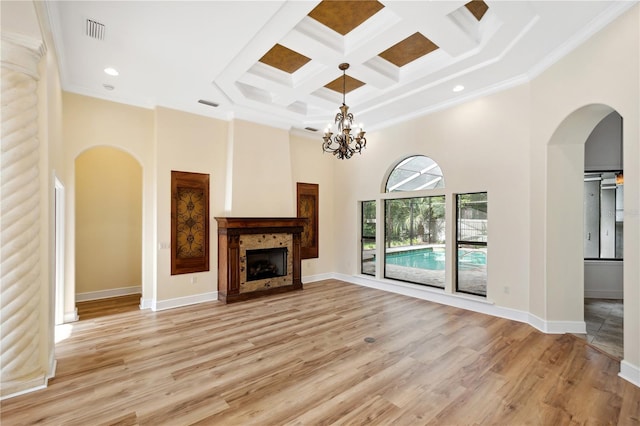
x: 579, y: 38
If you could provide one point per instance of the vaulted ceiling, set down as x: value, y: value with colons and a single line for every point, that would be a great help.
x: 276, y: 62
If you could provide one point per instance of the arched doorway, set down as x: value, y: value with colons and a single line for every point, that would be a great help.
x: 564, y: 210
x: 108, y: 221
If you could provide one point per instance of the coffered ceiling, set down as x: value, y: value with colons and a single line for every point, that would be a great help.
x: 276, y: 62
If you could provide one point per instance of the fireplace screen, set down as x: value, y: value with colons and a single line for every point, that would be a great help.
x: 266, y: 263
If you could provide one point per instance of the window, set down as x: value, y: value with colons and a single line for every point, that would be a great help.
x: 368, y: 238
x: 414, y: 174
x: 471, y: 243
x: 603, y: 215
x: 415, y: 240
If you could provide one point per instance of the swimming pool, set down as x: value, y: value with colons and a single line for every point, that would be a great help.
x: 435, y: 260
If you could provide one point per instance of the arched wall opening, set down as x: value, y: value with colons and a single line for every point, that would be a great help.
x: 564, y: 251
x: 108, y: 221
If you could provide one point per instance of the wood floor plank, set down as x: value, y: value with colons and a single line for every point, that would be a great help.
x: 301, y: 358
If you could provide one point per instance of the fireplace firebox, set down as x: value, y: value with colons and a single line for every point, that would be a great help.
x: 258, y: 256
x: 266, y: 263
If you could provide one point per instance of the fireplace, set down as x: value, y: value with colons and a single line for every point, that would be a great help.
x: 258, y: 256
x: 266, y: 263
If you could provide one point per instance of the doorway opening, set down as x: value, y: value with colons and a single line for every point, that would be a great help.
x: 603, y: 235
x: 108, y: 224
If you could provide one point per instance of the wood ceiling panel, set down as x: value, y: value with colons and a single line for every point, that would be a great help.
x: 350, y: 84
x: 284, y: 59
x: 478, y: 8
x: 344, y: 16
x: 408, y: 50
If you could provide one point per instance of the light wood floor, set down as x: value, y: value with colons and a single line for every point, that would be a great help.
x: 301, y: 358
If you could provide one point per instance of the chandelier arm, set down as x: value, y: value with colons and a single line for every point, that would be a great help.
x: 344, y: 144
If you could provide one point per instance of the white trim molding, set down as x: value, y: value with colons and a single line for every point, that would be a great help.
x: 603, y: 294
x: 105, y: 294
x: 35, y: 387
x: 146, y: 303
x: 557, y: 327
x: 184, y: 301
x: 470, y: 303
x: 314, y: 278
x: 630, y: 372
x: 71, y: 316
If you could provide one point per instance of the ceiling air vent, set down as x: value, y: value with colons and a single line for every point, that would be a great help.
x: 311, y: 129
x: 95, y: 29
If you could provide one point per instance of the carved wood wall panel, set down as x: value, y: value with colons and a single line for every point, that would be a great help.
x: 307, y: 195
x: 189, y: 222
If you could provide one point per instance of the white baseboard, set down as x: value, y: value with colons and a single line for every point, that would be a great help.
x: 146, y: 303
x: 630, y: 373
x: 557, y: 327
x: 70, y: 316
x: 319, y: 277
x: 466, y: 302
x: 603, y: 294
x: 30, y: 386
x: 105, y: 294
x: 53, y: 364
x: 184, y: 301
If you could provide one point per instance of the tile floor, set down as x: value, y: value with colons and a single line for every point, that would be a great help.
x: 604, y: 325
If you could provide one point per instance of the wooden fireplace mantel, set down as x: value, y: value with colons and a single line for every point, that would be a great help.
x: 235, y: 234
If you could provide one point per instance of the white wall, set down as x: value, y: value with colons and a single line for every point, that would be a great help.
x: 569, y: 99
x: 498, y: 143
x: 90, y: 122
x: 260, y: 172
x: 310, y: 165
x: 603, y: 279
x: 108, y: 223
x: 525, y: 147
x: 187, y: 143
x: 603, y: 149
x: 481, y: 145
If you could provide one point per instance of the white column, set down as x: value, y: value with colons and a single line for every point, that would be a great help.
x: 21, y: 351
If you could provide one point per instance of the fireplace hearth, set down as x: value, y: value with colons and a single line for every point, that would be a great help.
x: 258, y: 256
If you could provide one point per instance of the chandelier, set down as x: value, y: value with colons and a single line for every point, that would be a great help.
x: 343, y: 145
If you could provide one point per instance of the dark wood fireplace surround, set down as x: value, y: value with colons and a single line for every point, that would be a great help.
x: 230, y: 233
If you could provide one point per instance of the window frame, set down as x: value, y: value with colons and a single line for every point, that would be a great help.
x: 392, y: 196
x: 458, y: 242
x: 363, y: 237
x: 599, y: 258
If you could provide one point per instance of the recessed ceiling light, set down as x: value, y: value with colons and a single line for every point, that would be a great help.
x: 111, y: 71
x: 458, y: 88
x: 108, y: 87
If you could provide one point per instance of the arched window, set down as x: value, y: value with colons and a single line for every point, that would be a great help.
x: 414, y: 174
